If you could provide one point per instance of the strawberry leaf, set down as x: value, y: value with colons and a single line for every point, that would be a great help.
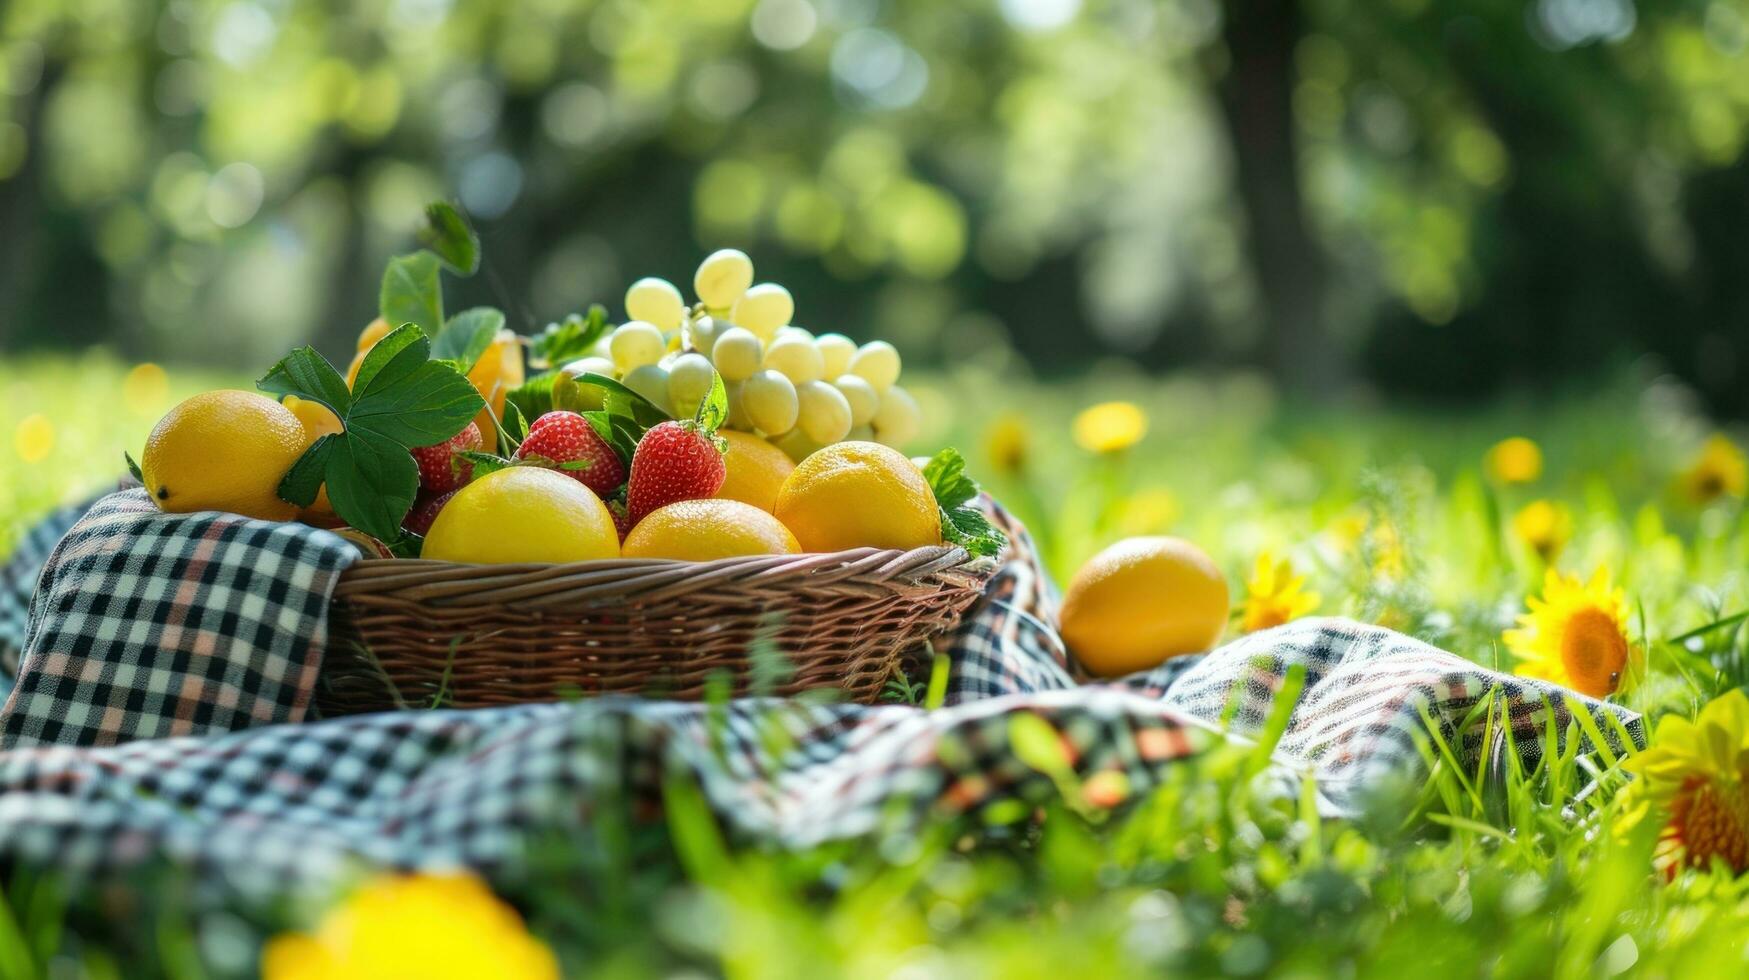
x: 411, y: 292
x: 307, y: 374
x: 946, y: 474
x: 409, y: 398
x: 392, y: 346
x: 570, y: 338
x: 134, y: 468
x: 484, y: 463
x: 446, y: 232
x: 534, y: 397
x: 371, y: 481
x: 301, y: 483
x: 621, y: 400
x: 466, y: 336
x: 713, y: 409
x: 962, y: 523
x: 515, y: 423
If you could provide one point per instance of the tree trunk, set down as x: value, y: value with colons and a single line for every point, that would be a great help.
x: 1256, y: 97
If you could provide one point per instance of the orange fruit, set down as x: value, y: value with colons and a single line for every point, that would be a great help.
x: 1142, y: 601
x: 374, y: 331
x: 858, y: 494
x: 702, y: 530
x: 494, y: 374
x: 522, y: 514
x: 223, y: 450
x: 317, y: 421
x: 756, y: 470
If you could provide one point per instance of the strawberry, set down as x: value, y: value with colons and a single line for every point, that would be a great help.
x: 570, y: 443
x: 673, y: 461
x: 622, y: 521
x: 439, y: 470
x: 418, y: 520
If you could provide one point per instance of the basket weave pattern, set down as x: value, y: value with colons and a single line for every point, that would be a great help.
x: 414, y: 633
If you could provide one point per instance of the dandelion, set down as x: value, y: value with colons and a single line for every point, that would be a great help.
x: 1275, y: 595
x: 1514, y: 460
x: 1150, y: 511
x: 145, y: 388
x: 1693, y: 777
x: 1545, y: 527
x: 431, y: 926
x: 1575, y: 635
x: 1007, y: 444
x: 1719, y: 470
x: 34, y: 438
x: 1110, y: 427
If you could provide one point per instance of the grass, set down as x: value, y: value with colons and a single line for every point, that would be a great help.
x: 1480, y: 869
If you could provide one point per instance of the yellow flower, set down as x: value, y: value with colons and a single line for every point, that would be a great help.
x: 34, y: 438
x: 1110, y: 427
x: 1275, y: 595
x: 432, y: 927
x: 1007, y: 443
x: 1386, y: 548
x: 1695, y: 777
x: 1719, y: 469
x: 1575, y: 635
x: 1150, y: 511
x: 145, y: 388
x: 1514, y: 460
x: 1545, y: 527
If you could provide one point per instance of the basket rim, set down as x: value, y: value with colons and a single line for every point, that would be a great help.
x: 612, y: 580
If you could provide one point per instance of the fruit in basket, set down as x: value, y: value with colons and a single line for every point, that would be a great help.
x: 223, y: 450
x: 859, y: 494
x: 674, y: 461
x: 877, y: 362
x: 497, y: 371
x: 704, y: 530
x: 655, y: 301
x: 754, y: 470
x: 897, y: 419
x: 425, y: 511
x: 636, y: 344
x: 689, y: 381
x: 737, y: 353
x: 768, y: 399
x: 522, y: 514
x: 374, y: 331
x: 570, y: 444
x: 763, y: 308
x: 318, y: 421
x: 440, y: 470
x: 722, y: 277
x: 836, y: 350
x: 796, y: 358
x: 1142, y: 601
x: 823, y: 413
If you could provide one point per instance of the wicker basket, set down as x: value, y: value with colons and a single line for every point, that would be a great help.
x: 421, y: 633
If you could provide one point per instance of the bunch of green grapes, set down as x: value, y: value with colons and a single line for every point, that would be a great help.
x: 800, y: 391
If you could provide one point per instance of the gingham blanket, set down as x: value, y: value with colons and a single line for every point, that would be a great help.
x: 165, y: 664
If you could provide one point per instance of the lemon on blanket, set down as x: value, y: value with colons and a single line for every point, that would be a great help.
x: 1142, y: 601
x: 522, y: 514
x: 223, y: 450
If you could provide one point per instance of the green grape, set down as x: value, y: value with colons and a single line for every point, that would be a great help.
x: 722, y: 277
x: 770, y: 401
x: 651, y: 381
x: 861, y: 396
x: 796, y: 444
x: 878, y: 363
x: 635, y: 344
x: 737, y: 354
x: 824, y: 414
x: 763, y: 308
x: 689, y: 380
x: 570, y: 396
x: 703, y: 333
x: 898, y: 419
x: 737, y: 406
x: 794, y: 331
x: 836, y: 349
x: 656, y: 301
x: 796, y: 359
x: 861, y: 433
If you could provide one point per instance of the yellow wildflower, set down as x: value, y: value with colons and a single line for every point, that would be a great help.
x: 1110, y: 427
x: 34, y: 438
x: 429, y: 926
x: 1545, y: 527
x: 1693, y: 777
x: 1514, y: 460
x: 145, y: 388
x: 1718, y: 470
x: 1386, y: 548
x: 1575, y: 635
x: 1275, y: 595
x: 1007, y: 444
x: 1150, y: 511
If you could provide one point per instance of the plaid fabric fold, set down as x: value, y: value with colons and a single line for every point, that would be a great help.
x: 282, y: 806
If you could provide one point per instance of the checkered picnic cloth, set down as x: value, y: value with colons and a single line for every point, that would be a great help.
x: 166, y: 665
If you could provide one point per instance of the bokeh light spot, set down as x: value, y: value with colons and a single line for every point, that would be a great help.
x: 34, y: 438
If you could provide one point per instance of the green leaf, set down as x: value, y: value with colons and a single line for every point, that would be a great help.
x: 485, y: 463
x: 534, y: 397
x: 515, y: 424
x: 411, y: 292
x: 447, y: 233
x: 618, y: 431
x: 133, y: 467
x: 621, y: 400
x: 408, y: 545
x: 372, y: 481
x: 301, y: 483
x: 971, y: 530
x: 467, y: 335
x: 946, y: 474
x: 397, y: 342
x: 713, y: 409
x: 307, y: 374
x: 408, y: 399
x: 570, y: 338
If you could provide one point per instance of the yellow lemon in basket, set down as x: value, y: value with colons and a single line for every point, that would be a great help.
x: 522, y: 513
x: 703, y: 530
x: 223, y: 450
x: 859, y: 494
x: 755, y: 470
x: 317, y: 421
x: 1141, y: 601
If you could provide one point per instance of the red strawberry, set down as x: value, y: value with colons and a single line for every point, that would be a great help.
x: 439, y: 470
x: 622, y: 521
x: 674, y: 461
x: 424, y: 511
x: 566, y: 437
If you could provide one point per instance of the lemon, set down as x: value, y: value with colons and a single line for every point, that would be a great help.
x: 1141, y: 601
x: 522, y: 514
x: 756, y: 470
x: 494, y: 374
x: 374, y: 331
x: 702, y: 530
x: 223, y: 450
x: 317, y: 421
x: 858, y: 494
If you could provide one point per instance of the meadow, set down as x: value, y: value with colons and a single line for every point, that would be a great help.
x: 1404, y: 517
